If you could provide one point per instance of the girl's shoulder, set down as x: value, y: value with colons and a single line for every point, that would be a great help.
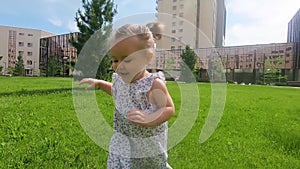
x: 158, y: 83
x: 160, y: 75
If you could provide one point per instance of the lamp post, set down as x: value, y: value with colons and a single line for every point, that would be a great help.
x: 34, y: 68
x: 4, y: 69
x: 264, y: 60
x: 64, y: 59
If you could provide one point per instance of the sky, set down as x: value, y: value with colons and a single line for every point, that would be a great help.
x: 248, y: 22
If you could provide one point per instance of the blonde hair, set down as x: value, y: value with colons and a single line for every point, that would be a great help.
x: 147, y: 34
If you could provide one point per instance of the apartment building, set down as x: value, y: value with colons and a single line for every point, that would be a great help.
x: 197, y: 23
x: 294, y: 37
x: 249, y: 60
x: 23, y: 42
x: 294, y: 28
x: 63, y: 53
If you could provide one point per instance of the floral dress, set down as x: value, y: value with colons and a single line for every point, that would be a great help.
x: 133, y: 146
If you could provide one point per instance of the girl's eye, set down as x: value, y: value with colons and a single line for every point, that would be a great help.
x: 127, y: 60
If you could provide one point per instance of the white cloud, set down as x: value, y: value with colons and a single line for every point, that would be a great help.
x: 55, y: 22
x: 259, y: 21
x: 72, y: 26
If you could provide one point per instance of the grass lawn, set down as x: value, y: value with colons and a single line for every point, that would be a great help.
x: 39, y: 128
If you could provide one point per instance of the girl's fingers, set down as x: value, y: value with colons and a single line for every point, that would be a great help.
x: 83, y: 81
x: 90, y: 81
x: 87, y: 80
x: 135, y: 116
x: 89, y: 87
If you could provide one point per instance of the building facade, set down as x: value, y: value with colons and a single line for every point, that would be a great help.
x: 239, y: 63
x: 57, y: 49
x: 197, y: 23
x: 23, y: 42
x: 294, y: 37
x: 36, y: 47
x: 294, y: 28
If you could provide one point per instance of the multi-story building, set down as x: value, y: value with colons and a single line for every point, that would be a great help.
x: 35, y: 47
x: 63, y: 53
x: 294, y: 28
x: 294, y: 37
x: 23, y: 42
x: 250, y: 61
x: 197, y: 23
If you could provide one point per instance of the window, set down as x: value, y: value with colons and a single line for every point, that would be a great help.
x: 172, y: 47
x: 30, y: 34
x: 180, y: 23
x: 21, y: 53
x: 29, y: 45
x: 173, y: 39
x: 28, y: 72
x: 288, y: 48
x: 174, y: 7
x: 181, y: 14
x: 173, y: 31
x: 174, y: 0
x: 21, y: 44
x: 29, y: 53
x: 181, y: 6
x: 21, y: 34
x: 174, y: 15
x: 29, y: 62
x: 181, y: 30
x: 173, y: 23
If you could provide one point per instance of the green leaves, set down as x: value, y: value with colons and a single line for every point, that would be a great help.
x: 188, y: 65
x: 19, y: 69
x: 94, y: 24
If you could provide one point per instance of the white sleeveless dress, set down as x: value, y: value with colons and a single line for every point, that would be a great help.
x: 133, y: 146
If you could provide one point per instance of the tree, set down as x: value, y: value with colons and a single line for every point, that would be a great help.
x: 19, y: 67
x: 216, y: 64
x: 170, y: 63
x: 189, y: 58
x: 94, y: 25
x: 273, y: 73
x: 52, y: 65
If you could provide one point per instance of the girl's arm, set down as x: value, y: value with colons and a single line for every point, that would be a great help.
x: 160, y: 97
x: 102, y: 84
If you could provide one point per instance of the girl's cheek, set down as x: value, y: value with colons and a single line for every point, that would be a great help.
x: 114, y: 66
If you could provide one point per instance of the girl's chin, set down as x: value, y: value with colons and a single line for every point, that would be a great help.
x: 127, y: 79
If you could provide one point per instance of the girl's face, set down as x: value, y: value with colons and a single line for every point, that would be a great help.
x: 129, y: 60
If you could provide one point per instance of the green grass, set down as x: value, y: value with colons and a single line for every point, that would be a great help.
x: 39, y: 128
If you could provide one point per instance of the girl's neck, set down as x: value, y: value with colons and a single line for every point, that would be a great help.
x: 140, y: 75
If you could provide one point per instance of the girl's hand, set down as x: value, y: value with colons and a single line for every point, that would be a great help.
x: 90, y: 81
x: 138, y: 117
x: 142, y: 118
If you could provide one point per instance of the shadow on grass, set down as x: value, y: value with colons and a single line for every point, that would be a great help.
x: 40, y: 92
